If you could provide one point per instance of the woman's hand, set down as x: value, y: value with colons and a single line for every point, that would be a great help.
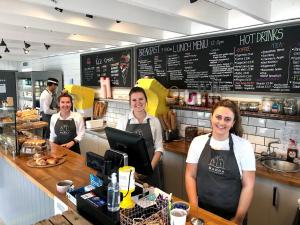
x: 68, y: 145
x: 236, y: 220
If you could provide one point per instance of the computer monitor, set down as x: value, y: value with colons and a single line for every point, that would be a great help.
x: 134, y: 146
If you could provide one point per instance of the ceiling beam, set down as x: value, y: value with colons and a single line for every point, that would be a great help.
x: 258, y: 9
x: 200, y: 11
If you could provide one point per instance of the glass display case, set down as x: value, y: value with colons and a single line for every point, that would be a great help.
x: 8, y: 135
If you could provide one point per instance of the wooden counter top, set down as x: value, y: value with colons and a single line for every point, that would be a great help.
x: 74, y: 169
x: 181, y: 147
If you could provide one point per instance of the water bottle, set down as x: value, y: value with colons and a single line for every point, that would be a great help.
x: 113, y: 194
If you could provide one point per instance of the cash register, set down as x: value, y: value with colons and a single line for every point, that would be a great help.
x: 125, y: 149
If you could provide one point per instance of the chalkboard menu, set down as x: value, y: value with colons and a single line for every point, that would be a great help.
x: 116, y: 64
x: 265, y: 60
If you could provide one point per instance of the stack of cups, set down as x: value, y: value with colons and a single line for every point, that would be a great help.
x: 105, y: 91
x: 178, y: 216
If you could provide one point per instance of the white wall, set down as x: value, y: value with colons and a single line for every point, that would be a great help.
x: 68, y: 64
x: 9, y: 65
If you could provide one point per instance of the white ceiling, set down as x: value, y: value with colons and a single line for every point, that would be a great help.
x: 37, y: 22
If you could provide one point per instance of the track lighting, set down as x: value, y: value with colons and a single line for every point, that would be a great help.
x: 47, y: 46
x: 118, y: 21
x: 59, y: 9
x: 2, y: 43
x: 26, y: 51
x: 0, y: 57
x: 192, y: 1
x: 89, y: 16
x: 26, y: 45
x: 6, y: 49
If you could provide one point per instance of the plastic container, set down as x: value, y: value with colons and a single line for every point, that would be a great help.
x: 113, y: 194
x: 267, y: 104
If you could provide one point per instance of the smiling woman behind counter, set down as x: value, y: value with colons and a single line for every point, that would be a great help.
x: 67, y: 127
x: 140, y: 122
x: 220, y: 167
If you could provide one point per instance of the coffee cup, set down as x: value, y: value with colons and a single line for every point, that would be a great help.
x: 178, y: 216
x: 64, y: 185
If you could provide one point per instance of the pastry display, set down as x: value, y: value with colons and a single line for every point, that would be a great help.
x: 27, y: 115
x: 34, y: 142
x: 40, y: 160
x: 6, y: 119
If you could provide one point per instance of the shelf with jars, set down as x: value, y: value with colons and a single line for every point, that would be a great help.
x: 270, y: 108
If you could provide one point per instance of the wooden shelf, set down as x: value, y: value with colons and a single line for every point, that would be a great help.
x: 259, y: 114
x: 112, y: 100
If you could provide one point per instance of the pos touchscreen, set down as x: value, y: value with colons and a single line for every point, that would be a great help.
x: 134, y: 146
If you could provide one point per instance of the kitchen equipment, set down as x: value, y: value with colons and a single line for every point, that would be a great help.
x: 190, y: 133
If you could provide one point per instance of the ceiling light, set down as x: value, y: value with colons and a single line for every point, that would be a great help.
x: 26, y: 45
x: 26, y: 27
x: 192, y: 1
x: 55, y: 1
x: 6, y: 49
x: 59, y: 9
x: 89, y: 16
x: 118, y: 21
x: 26, y: 51
x: 47, y: 46
x: 2, y: 43
x: 0, y: 57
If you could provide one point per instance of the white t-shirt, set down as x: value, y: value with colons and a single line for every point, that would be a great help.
x: 154, y: 125
x: 45, y: 102
x: 242, y: 149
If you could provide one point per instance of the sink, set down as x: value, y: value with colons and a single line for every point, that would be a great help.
x: 281, y: 165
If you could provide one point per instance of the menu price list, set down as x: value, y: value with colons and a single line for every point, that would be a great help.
x: 116, y: 64
x: 264, y: 61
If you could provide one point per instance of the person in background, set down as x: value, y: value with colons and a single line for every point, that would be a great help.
x: 220, y: 166
x: 67, y: 127
x: 140, y: 122
x: 48, y: 103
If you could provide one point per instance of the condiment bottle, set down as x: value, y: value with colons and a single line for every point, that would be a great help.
x: 292, y: 151
x: 113, y: 194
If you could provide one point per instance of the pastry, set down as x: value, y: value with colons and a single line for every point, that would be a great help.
x: 51, y: 161
x: 41, y: 162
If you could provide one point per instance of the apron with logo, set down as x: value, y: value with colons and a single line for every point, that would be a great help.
x: 218, y: 181
x: 144, y: 130
x: 65, y: 131
x: 47, y: 117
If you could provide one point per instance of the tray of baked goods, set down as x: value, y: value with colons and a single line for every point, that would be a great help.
x: 33, y: 145
x: 31, y: 125
x: 6, y: 120
x: 40, y: 160
x: 27, y: 115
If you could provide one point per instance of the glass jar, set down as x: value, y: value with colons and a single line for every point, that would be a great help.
x: 253, y: 106
x: 290, y: 106
x: 266, y: 104
x: 277, y: 106
x: 243, y: 106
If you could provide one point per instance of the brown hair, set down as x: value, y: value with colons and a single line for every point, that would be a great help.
x: 237, y: 128
x: 137, y: 90
x: 65, y: 94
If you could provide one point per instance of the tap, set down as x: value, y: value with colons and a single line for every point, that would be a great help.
x: 269, y: 148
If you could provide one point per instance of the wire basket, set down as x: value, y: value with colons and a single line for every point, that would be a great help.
x: 157, y: 214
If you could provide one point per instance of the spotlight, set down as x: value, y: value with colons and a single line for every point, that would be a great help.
x: 59, y: 9
x: 89, y: 16
x: 47, y: 46
x: 118, y: 21
x: 26, y: 45
x: 193, y: 1
x: 6, y: 49
x: 0, y: 57
x: 2, y: 43
x: 26, y: 51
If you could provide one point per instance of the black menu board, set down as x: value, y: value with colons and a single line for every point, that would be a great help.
x: 266, y: 60
x: 116, y: 64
